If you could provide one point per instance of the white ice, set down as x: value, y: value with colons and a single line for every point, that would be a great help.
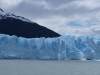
x: 60, y: 48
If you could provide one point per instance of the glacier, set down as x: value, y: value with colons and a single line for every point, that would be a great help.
x: 59, y: 48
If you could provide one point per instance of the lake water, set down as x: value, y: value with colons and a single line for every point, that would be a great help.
x: 49, y: 67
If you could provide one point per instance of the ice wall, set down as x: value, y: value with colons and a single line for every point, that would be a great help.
x: 60, y: 48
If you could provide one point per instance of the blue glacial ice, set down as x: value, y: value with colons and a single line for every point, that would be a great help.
x: 60, y: 48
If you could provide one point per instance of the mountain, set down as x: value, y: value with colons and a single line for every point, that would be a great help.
x: 1, y: 10
x: 21, y: 27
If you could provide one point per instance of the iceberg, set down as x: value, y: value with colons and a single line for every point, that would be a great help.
x: 59, y: 48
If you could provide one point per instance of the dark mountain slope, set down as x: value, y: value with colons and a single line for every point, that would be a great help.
x: 16, y: 25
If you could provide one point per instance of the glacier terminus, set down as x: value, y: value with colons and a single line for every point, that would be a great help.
x: 59, y: 48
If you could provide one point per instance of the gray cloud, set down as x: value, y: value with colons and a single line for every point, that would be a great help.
x: 33, y: 10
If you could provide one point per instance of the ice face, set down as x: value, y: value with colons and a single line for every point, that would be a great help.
x: 60, y: 48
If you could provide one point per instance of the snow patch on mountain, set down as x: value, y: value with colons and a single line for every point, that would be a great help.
x: 4, y: 15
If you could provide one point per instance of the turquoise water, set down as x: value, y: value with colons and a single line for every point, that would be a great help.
x: 46, y: 67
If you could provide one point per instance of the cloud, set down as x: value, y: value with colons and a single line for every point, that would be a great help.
x: 6, y: 4
x: 76, y: 17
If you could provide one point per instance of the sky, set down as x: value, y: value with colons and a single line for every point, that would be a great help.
x: 66, y: 17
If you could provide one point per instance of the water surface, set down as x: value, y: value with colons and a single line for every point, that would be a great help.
x: 49, y: 67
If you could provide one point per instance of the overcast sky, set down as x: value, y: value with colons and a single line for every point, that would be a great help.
x: 67, y: 17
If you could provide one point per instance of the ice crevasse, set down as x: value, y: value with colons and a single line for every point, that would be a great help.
x: 59, y: 48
